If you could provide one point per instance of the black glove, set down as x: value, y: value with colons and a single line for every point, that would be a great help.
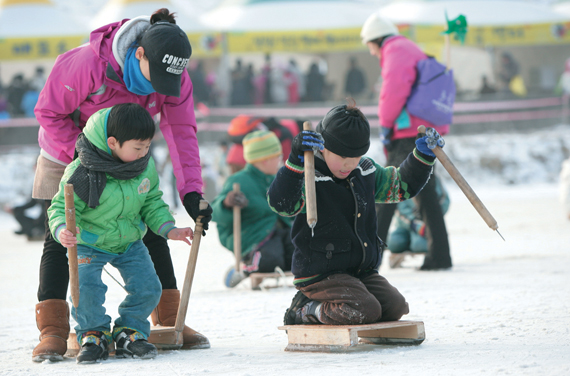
x: 192, y: 205
x: 305, y: 141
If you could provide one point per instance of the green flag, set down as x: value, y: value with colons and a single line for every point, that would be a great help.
x: 457, y: 26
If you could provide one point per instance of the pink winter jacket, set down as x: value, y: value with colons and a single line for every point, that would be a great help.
x: 399, y: 57
x: 89, y: 78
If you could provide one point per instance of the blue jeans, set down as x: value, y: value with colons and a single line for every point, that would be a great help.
x: 141, y: 282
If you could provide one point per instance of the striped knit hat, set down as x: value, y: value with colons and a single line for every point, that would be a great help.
x: 260, y: 145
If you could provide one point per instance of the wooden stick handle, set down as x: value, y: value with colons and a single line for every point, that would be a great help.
x: 237, y: 231
x: 462, y: 183
x: 71, y: 251
x: 187, y: 287
x: 310, y: 190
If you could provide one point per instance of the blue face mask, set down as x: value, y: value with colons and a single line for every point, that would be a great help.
x: 133, y: 77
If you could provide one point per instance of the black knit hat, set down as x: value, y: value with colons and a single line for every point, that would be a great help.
x: 346, y: 132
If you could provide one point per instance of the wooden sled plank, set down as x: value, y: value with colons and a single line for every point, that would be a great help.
x: 395, y: 335
x: 72, y: 346
x: 257, y: 278
x: 342, y: 338
x: 165, y: 338
x: 396, y: 259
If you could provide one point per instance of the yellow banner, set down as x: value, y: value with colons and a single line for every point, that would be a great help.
x: 513, y: 35
x: 32, y: 48
x: 37, y: 48
x: 210, y: 44
x: 349, y: 39
x: 296, y: 41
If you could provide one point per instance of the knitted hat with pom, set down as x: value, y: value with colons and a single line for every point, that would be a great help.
x: 346, y: 132
x: 260, y: 145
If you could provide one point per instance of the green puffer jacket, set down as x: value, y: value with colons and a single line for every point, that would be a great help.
x: 257, y: 219
x: 125, y: 205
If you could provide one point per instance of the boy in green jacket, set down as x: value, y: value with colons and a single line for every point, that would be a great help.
x: 265, y: 236
x: 116, y: 198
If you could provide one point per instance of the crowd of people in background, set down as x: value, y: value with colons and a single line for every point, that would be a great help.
x: 274, y: 83
x: 19, y: 98
x: 277, y: 82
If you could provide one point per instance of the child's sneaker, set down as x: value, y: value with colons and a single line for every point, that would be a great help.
x: 310, y: 313
x: 94, y: 347
x: 233, y: 278
x: 291, y: 316
x: 131, y: 343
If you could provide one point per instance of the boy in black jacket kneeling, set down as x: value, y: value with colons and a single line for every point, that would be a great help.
x: 336, y: 269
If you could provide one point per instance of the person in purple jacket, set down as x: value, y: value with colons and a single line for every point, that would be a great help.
x: 142, y: 60
x: 398, y: 59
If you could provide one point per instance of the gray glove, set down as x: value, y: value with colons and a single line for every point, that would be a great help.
x: 235, y: 199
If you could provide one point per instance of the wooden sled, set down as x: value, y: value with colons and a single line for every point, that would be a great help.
x: 343, y: 338
x: 396, y: 259
x: 257, y: 278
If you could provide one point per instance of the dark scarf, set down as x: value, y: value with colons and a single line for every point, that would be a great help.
x: 89, y: 178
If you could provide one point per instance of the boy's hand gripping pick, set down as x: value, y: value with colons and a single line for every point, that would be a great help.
x: 429, y: 141
x: 234, y: 198
x: 67, y: 239
x: 305, y: 141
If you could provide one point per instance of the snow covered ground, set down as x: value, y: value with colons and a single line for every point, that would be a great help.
x: 504, y: 308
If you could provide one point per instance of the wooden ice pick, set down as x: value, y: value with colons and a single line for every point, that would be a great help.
x: 191, y: 267
x: 465, y: 187
x: 71, y: 251
x: 237, y: 231
x: 170, y: 337
x: 310, y: 190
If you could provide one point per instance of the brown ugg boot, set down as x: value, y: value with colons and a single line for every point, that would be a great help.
x: 165, y: 315
x: 52, y: 318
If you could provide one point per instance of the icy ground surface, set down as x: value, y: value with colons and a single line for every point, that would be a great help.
x: 504, y: 308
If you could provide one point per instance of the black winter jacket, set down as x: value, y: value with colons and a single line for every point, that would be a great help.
x: 345, y: 239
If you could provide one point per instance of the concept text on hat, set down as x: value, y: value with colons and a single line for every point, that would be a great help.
x: 177, y: 64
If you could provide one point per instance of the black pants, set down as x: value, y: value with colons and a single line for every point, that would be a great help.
x: 28, y: 224
x: 54, y: 269
x: 438, y: 255
x: 276, y: 251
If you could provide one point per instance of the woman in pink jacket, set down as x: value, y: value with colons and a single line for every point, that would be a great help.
x: 143, y: 61
x: 398, y: 59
